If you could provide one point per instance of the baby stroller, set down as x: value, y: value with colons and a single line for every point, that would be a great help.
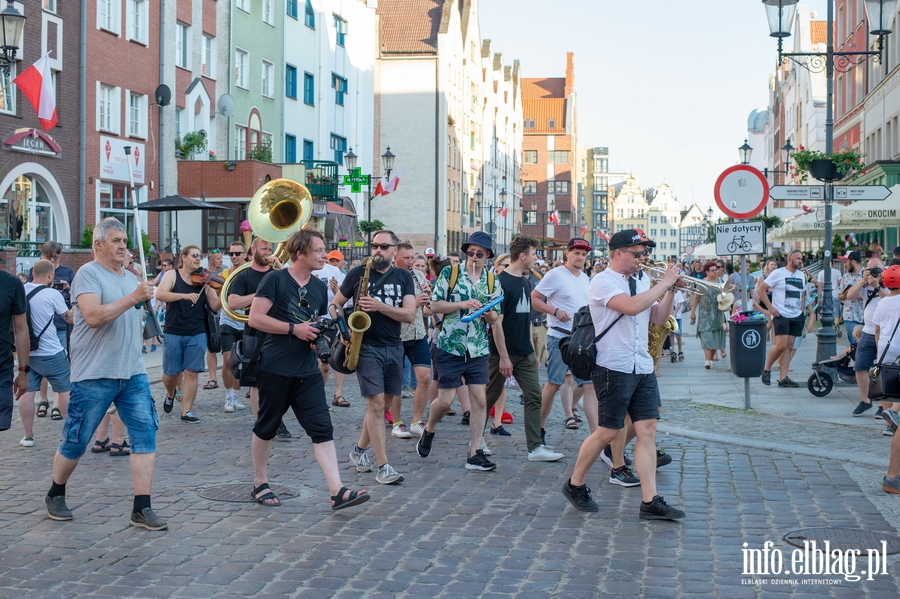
x: 820, y: 382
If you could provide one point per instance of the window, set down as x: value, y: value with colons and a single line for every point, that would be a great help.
x: 663, y: 219
x: 267, y: 15
x: 8, y: 92
x: 631, y: 213
x: 267, y: 83
x: 653, y: 232
x: 137, y: 115
x: 107, y: 108
x: 309, y: 91
x: 290, y: 149
x: 310, y: 15
x: 601, y: 183
x: 601, y: 165
x: 108, y: 15
x: 339, y: 145
x: 244, y: 5
x: 600, y: 202
x: 529, y: 187
x: 241, y: 64
x: 551, y: 123
x: 558, y: 187
x: 290, y: 81
x: 340, y: 28
x: 240, y: 142
x: 528, y: 124
x: 115, y: 200
x: 209, y: 56
x: 531, y: 157
x: 308, y: 151
x: 136, y: 20
x: 652, y: 220
x: 182, y: 46
x: 565, y: 218
x: 673, y: 245
x: 340, y: 88
x: 619, y: 228
x: 558, y: 157
x: 620, y: 213
x: 529, y: 218
x: 291, y: 8
x: 49, y: 5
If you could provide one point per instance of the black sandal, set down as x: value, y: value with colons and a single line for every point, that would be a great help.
x: 262, y: 499
x: 119, y: 450
x: 55, y: 414
x: 100, y: 446
x: 570, y: 423
x: 356, y: 498
x: 576, y: 416
x: 42, y: 409
x: 338, y: 400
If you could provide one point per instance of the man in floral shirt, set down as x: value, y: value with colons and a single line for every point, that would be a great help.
x: 462, y: 347
x: 853, y: 308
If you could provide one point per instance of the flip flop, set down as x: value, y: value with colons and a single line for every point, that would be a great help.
x: 55, y: 414
x: 42, y: 409
x: 212, y: 384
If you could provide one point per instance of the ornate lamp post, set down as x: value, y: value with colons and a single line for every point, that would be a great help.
x: 12, y: 22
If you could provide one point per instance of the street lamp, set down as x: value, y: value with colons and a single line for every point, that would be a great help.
x: 478, y: 209
x: 787, y: 150
x: 11, y: 23
x: 503, y: 195
x: 350, y: 160
x: 387, y: 162
x: 745, y: 151
x: 780, y: 15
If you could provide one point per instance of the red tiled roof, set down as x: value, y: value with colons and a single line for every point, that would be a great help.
x: 336, y: 208
x: 409, y: 26
x: 545, y: 87
x: 818, y: 32
x: 541, y: 111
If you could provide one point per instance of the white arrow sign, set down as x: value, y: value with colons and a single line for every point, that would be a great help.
x: 797, y: 192
x: 861, y: 192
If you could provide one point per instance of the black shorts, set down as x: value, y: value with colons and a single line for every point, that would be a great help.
x: 620, y: 393
x: 305, y: 396
x: 418, y: 352
x: 789, y: 326
x: 454, y: 369
x: 229, y: 336
x: 380, y: 370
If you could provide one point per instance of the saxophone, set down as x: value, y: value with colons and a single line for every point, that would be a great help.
x: 358, y: 321
x: 657, y: 335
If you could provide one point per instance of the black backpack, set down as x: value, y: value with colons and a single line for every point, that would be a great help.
x: 34, y: 340
x: 578, y: 349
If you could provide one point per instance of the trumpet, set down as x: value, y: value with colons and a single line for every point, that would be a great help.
x: 656, y: 270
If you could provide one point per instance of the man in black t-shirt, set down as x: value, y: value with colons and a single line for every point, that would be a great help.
x: 287, y: 305
x: 389, y: 300
x: 13, y: 321
x: 512, y: 352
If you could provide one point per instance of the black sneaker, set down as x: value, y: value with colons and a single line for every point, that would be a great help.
x: 168, y: 402
x: 189, y: 417
x: 658, y: 509
x: 283, y: 432
x: 147, y: 518
x: 861, y: 408
x: 465, y: 419
x: 662, y: 458
x: 479, y: 461
x: 580, y: 497
x: 879, y: 412
x: 423, y: 445
x: 766, y: 377
x: 623, y: 477
x: 57, y: 508
x: 787, y: 382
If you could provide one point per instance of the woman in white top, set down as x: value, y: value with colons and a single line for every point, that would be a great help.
x: 886, y: 318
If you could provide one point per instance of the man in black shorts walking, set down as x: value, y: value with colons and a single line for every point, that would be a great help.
x: 788, y: 286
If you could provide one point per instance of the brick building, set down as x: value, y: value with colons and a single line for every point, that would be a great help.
x: 550, y: 151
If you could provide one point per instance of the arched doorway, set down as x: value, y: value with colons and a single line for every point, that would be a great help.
x: 31, y: 206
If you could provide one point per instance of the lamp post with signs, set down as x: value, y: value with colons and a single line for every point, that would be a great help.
x: 356, y: 179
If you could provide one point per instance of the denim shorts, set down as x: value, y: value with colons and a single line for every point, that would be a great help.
x: 866, y: 353
x: 54, y: 368
x: 678, y: 322
x: 89, y: 403
x: 183, y: 352
x: 418, y: 352
x: 456, y: 371
x: 380, y: 370
x: 556, y: 368
x: 619, y: 393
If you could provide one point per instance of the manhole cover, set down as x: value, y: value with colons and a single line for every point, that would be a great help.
x: 240, y: 493
x: 844, y: 538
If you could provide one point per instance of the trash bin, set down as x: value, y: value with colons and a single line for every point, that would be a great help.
x: 748, y: 345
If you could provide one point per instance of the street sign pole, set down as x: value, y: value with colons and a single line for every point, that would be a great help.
x: 827, y: 337
x: 745, y: 306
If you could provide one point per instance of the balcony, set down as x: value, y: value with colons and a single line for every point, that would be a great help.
x: 224, y: 178
x: 319, y: 176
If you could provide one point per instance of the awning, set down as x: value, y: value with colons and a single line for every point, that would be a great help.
x: 335, y: 208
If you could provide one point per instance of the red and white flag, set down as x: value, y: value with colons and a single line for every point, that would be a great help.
x: 583, y: 230
x: 554, y: 218
x: 36, y: 84
x: 505, y: 212
x: 386, y: 186
x: 602, y: 235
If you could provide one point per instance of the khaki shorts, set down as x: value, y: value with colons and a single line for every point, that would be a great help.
x: 539, y: 341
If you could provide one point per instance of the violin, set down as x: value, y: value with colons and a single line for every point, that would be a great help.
x: 203, y: 277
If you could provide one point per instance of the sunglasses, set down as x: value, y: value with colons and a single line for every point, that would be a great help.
x: 505, y: 265
x: 638, y: 253
x: 303, y: 303
x: 53, y: 257
x: 382, y: 246
x: 196, y: 255
x: 235, y: 253
x: 474, y: 254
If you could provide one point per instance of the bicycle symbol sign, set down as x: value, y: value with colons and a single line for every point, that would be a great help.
x: 740, y: 238
x: 751, y: 339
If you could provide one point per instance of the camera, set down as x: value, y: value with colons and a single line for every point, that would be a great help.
x: 327, y: 328
x: 59, y: 286
x: 876, y: 271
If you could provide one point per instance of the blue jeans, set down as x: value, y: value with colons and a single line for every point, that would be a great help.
x: 91, y: 399
x: 409, y: 377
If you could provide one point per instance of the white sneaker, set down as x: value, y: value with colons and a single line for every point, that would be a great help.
x: 27, y: 442
x: 229, y: 404
x: 238, y: 405
x: 485, y: 448
x: 542, y: 454
x: 401, y: 431
x: 361, y: 460
x: 388, y: 476
x: 418, y: 428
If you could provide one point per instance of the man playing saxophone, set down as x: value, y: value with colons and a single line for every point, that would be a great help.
x: 389, y: 298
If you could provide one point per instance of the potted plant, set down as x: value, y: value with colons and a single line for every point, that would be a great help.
x: 212, y: 155
x: 841, y: 165
x: 191, y: 143
x: 261, y: 152
x: 230, y: 164
x: 343, y: 242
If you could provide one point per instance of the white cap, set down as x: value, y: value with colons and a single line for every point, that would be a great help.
x: 429, y: 252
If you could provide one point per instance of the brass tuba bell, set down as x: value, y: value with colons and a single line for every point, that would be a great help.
x: 278, y: 209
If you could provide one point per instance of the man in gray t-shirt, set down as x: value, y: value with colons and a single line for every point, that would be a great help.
x: 107, y: 368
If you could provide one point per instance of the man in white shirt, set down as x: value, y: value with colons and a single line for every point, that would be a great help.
x: 559, y: 295
x: 622, y: 307
x: 788, y: 286
x: 49, y: 359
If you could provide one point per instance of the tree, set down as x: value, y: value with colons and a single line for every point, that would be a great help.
x: 370, y: 226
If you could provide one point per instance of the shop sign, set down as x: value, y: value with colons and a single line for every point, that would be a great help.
x: 33, y: 141
x: 114, y: 164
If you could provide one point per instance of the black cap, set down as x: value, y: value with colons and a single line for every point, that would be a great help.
x: 628, y: 237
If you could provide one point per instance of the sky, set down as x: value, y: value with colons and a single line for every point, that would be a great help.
x: 666, y: 85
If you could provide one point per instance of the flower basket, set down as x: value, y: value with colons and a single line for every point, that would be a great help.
x: 229, y: 165
x: 343, y: 244
x: 824, y: 169
x: 847, y: 165
x: 360, y: 244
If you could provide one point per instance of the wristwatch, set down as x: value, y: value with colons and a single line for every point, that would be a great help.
x: 25, y: 369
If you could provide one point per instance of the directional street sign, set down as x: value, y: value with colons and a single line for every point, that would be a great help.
x: 820, y: 214
x: 797, y: 192
x: 741, y: 239
x: 861, y: 192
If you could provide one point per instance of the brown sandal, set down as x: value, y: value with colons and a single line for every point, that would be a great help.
x: 340, y: 401
x: 212, y: 384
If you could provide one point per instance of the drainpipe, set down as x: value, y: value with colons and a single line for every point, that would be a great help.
x: 82, y: 152
x: 437, y: 157
x: 161, y: 112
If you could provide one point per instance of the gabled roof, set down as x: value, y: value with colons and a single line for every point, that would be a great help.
x: 410, y: 26
x: 543, y: 87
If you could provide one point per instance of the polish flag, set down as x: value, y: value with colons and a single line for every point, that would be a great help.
x: 505, y: 212
x: 386, y: 186
x: 583, y: 231
x: 603, y: 235
x: 554, y: 218
x: 36, y: 84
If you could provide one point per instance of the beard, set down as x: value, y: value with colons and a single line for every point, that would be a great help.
x: 259, y: 259
x: 380, y: 262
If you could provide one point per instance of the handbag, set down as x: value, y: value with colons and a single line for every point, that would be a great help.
x: 213, y: 336
x: 884, y: 379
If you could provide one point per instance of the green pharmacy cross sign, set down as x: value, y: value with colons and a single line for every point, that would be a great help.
x: 356, y: 180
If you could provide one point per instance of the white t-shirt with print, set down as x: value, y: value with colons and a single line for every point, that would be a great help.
x: 787, y: 289
x: 885, y: 318
x: 565, y: 291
